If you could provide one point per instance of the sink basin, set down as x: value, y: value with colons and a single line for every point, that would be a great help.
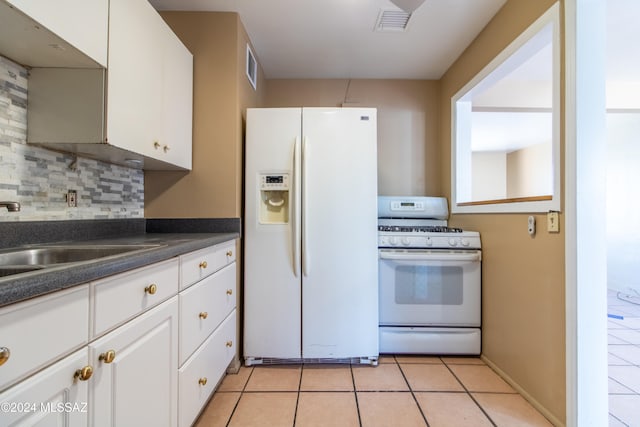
x: 29, y: 258
x: 11, y: 270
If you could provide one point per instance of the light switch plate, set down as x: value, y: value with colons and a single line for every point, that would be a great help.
x: 553, y: 225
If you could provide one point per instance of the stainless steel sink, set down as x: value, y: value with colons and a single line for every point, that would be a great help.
x: 17, y: 269
x: 43, y: 256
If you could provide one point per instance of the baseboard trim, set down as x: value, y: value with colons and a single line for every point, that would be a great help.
x: 548, y: 415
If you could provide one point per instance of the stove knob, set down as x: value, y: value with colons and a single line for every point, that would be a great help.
x: 393, y: 240
x: 405, y: 241
x: 464, y: 242
x: 452, y: 242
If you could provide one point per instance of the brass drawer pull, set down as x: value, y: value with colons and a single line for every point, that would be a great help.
x: 203, y: 264
x: 203, y: 315
x: 156, y: 144
x: 229, y: 253
x: 229, y: 291
x: 107, y: 357
x: 151, y: 289
x: 84, y: 373
x: 202, y: 381
x: 229, y: 344
x: 5, y: 354
x: 165, y: 148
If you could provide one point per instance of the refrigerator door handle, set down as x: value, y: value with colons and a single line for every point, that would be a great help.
x: 294, y: 200
x: 306, y: 263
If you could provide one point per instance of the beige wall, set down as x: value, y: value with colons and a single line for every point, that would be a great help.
x: 523, y: 277
x: 213, y: 188
x: 530, y: 171
x: 408, y: 117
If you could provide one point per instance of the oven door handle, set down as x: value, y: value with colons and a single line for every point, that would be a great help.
x: 475, y: 256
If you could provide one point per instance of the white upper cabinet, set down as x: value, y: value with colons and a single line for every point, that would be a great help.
x: 135, y: 73
x: 137, y: 113
x: 150, y: 85
x: 61, y: 33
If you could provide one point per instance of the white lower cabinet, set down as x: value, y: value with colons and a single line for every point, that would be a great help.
x: 199, y: 376
x: 204, y: 306
x: 128, y: 350
x: 135, y: 371
x: 37, y: 332
x: 55, y: 396
x: 207, y: 325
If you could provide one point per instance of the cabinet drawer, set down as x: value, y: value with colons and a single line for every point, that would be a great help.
x: 198, y: 377
x: 39, y: 331
x: 59, y: 399
x: 123, y: 296
x: 197, y: 265
x: 204, y: 306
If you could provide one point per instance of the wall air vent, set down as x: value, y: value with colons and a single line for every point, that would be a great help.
x: 392, y: 21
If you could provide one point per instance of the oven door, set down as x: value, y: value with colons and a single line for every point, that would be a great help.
x: 421, y: 287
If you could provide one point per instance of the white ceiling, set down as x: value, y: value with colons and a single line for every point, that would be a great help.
x: 336, y: 38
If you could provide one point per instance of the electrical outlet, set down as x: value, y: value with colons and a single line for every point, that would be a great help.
x: 72, y: 198
x: 553, y: 225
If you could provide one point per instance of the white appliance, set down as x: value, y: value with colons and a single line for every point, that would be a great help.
x: 430, y: 279
x: 310, y: 264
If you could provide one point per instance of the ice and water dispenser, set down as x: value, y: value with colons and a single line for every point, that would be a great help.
x: 274, y: 198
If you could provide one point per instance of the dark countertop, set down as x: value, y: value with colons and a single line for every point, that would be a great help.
x: 188, y: 238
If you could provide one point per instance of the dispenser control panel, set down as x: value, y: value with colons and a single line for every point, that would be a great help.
x: 274, y: 182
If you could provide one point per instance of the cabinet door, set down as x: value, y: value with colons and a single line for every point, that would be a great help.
x: 177, y: 103
x: 52, y: 397
x: 134, y: 79
x: 138, y: 385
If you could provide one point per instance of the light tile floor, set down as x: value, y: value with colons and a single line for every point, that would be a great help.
x: 624, y: 359
x: 402, y: 391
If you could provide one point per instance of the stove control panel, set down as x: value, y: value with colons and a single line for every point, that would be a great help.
x: 471, y: 241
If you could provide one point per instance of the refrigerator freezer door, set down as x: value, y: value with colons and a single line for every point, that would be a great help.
x: 272, y: 294
x: 339, y: 223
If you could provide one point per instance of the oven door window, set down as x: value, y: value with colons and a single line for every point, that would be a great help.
x: 428, y: 285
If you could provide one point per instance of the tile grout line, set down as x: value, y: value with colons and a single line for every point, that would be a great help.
x: 355, y: 394
x: 239, y: 398
x: 471, y: 396
x: 295, y: 412
x: 415, y: 399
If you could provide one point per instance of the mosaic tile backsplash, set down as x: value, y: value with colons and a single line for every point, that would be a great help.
x: 39, y: 178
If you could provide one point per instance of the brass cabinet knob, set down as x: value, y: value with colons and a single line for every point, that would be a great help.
x: 229, y: 291
x: 156, y: 144
x: 5, y: 354
x: 229, y: 253
x: 107, y: 357
x: 203, y: 314
x: 84, y: 373
x: 202, y: 381
x: 151, y: 289
x: 203, y: 264
x: 229, y: 344
x: 165, y: 148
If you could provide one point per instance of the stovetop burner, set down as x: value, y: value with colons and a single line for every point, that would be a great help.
x: 419, y: 228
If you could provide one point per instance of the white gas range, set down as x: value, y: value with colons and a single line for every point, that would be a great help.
x: 429, y: 279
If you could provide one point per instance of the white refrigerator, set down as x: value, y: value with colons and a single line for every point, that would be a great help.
x: 310, y: 236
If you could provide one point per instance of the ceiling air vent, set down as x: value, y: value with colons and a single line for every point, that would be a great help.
x: 392, y: 20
